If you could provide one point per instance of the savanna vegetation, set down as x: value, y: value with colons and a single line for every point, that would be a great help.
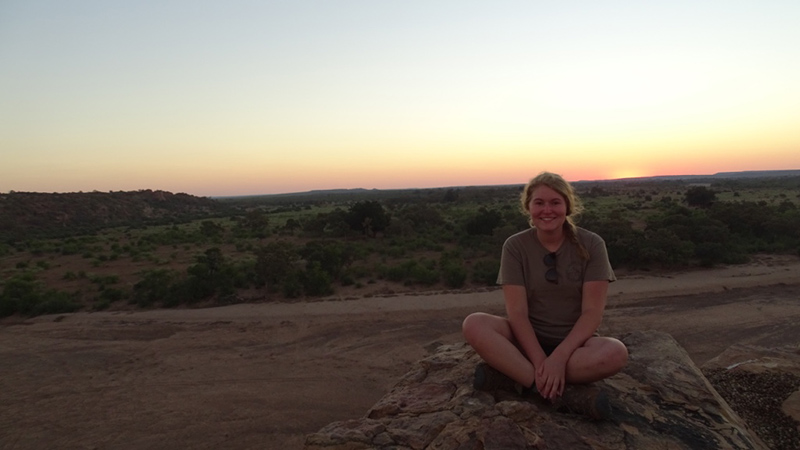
x: 165, y: 250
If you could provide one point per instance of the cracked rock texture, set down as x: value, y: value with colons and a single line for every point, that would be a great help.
x: 660, y: 401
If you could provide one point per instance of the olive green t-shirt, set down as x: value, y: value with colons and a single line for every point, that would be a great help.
x: 553, y: 308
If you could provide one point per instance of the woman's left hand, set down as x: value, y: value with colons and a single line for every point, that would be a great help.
x: 551, y: 377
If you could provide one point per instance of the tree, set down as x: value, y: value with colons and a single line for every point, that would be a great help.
x: 210, y: 229
x: 331, y: 257
x: 423, y: 216
x: 274, y: 262
x: 291, y: 226
x: 485, y: 271
x: 484, y: 222
x: 209, y: 275
x: 454, y: 273
x: 317, y: 281
x: 209, y: 263
x: 255, y: 224
x: 700, y: 196
x: 155, y: 286
x: 369, y: 217
x: 336, y: 223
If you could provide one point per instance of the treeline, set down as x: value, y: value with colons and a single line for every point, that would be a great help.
x: 697, y: 231
x: 307, y: 256
x: 437, y: 239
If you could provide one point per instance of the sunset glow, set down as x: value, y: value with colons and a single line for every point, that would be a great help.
x: 230, y: 98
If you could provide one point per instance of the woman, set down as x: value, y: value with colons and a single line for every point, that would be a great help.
x: 555, y: 279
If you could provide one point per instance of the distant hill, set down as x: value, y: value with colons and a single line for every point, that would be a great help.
x: 382, y: 194
x: 32, y: 214
x: 759, y: 174
x: 718, y: 175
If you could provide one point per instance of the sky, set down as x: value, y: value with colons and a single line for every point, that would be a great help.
x: 236, y: 97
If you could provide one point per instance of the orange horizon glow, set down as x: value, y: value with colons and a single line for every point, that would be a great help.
x: 225, y: 180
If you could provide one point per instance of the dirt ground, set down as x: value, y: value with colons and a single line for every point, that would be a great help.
x: 265, y: 375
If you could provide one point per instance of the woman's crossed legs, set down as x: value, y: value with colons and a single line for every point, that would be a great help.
x: 493, y: 339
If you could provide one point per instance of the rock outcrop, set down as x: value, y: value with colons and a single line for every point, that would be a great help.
x: 27, y: 215
x: 660, y: 401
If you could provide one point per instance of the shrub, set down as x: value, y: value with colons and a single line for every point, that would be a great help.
x: 700, y: 196
x: 103, y: 280
x: 101, y: 305
x: 23, y: 294
x: 331, y: 256
x: 368, y: 217
x: 316, y: 281
x: 413, y: 272
x: 485, y: 272
x: 454, y: 274
x: 484, y: 222
x: 155, y: 285
x: 292, y: 286
x: 111, y: 294
x: 56, y: 303
x: 423, y: 273
x: 273, y: 263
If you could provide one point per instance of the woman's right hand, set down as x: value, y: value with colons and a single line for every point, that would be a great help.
x: 550, y: 377
x: 538, y: 364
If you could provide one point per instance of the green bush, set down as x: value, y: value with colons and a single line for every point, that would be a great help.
x: 413, y: 272
x: 155, y: 286
x: 485, y: 272
x: 103, y: 280
x: 56, y: 303
x: 484, y: 222
x: 101, y: 304
x: 368, y: 217
x: 332, y: 257
x: 292, y: 285
x: 112, y: 294
x: 700, y: 196
x: 23, y: 294
x: 424, y: 273
x: 317, y: 281
x: 273, y: 263
x: 454, y: 274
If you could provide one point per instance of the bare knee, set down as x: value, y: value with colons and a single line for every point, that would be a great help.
x: 601, y: 358
x: 616, y: 355
x: 472, y: 327
x: 481, y: 327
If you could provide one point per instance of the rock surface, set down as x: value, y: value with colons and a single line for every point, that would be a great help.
x: 763, y: 386
x: 660, y: 401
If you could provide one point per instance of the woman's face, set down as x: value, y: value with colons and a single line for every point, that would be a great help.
x: 548, y: 209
